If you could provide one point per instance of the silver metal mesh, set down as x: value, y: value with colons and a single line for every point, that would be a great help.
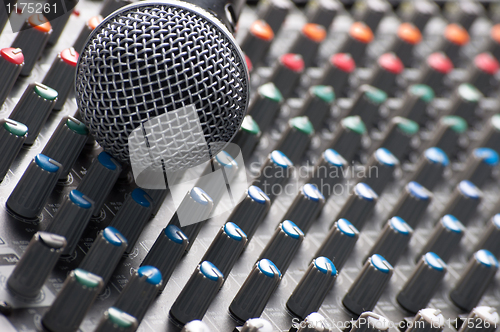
x: 149, y: 59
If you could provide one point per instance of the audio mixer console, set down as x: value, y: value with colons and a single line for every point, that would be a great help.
x: 406, y: 98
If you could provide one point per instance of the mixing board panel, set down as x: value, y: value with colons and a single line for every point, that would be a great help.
x: 396, y: 111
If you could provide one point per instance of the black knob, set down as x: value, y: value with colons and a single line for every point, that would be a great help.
x: 372, y: 12
x: 360, y: 35
x: 257, y: 41
x: 322, y: 12
x: 305, y: 207
x: 36, y: 263
x: 407, y: 37
x: 312, y: 288
x: 465, y: 101
x: 347, y: 139
x: 250, y: 212
x: 317, y: 104
x: 255, y: 292
x: 412, y: 203
x: 32, y: 39
x: 481, y: 72
x: 366, y: 104
x: 415, y: 102
x: 296, y: 138
x: 423, y: 282
x: 464, y: 201
x: 66, y: 143
x: 91, y: 24
x: 359, y: 205
x: 433, y: 71
x: 336, y: 72
x: 385, y: 71
x: 418, y: 12
x: 132, y: 216
x: 265, y: 106
x: 339, y: 243
x: 286, y: 73
x: 34, y: 108
x: 226, y: 248
x: 480, y: 165
x: 100, y: 179
x: 72, y: 218
x: 308, y: 41
x: 105, y: 253
x: 166, y: 252
x: 197, y: 294
x: 12, y: 135
x: 33, y: 189
x: 491, y: 234
x: 283, y: 245
x: 398, y: 136
x: 393, y: 240
x: 369, y: 285
x: 475, y: 280
x: 274, y: 12
x: 140, y: 292
x: 11, y: 64
x: 328, y: 173
x: 73, y: 301
x: 274, y: 173
x: 385, y: 164
x: 60, y: 75
x: 430, y: 168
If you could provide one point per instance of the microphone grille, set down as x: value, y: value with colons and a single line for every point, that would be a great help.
x: 149, y: 59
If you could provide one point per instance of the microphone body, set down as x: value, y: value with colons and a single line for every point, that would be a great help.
x: 164, y: 84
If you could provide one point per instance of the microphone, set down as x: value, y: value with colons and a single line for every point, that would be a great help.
x: 164, y: 84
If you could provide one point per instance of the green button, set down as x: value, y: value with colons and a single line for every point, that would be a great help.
x: 456, y: 123
x: 121, y: 318
x: 270, y: 91
x: 45, y: 92
x: 77, y: 126
x: 302, y: 124
x: 407, y: 126
x: 16, y: 128
x: 495, y: 121
x: 469, y: 92
x: 423, y: 91
x: 87, y: 279
x: 355, y: 124
x: 250, y: 126
x: 323, y: 92
x: 375, y: 95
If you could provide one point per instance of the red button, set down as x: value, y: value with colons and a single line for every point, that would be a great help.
x: 249, y: 63
x: 70, y: 56
x: 293, y: 62
x: 39, y: 22
x: 361, y: 32
x: 94, y: 22
x: 456, y: 34
x: 343, y: 61
x: 487, y: 63
x: 440, y: 62
x: 390, y: 62
x: 314, y: 32
x: 262, y: 30
x: 13, y: 55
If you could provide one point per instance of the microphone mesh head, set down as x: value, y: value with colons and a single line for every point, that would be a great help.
x: 149, y: 59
